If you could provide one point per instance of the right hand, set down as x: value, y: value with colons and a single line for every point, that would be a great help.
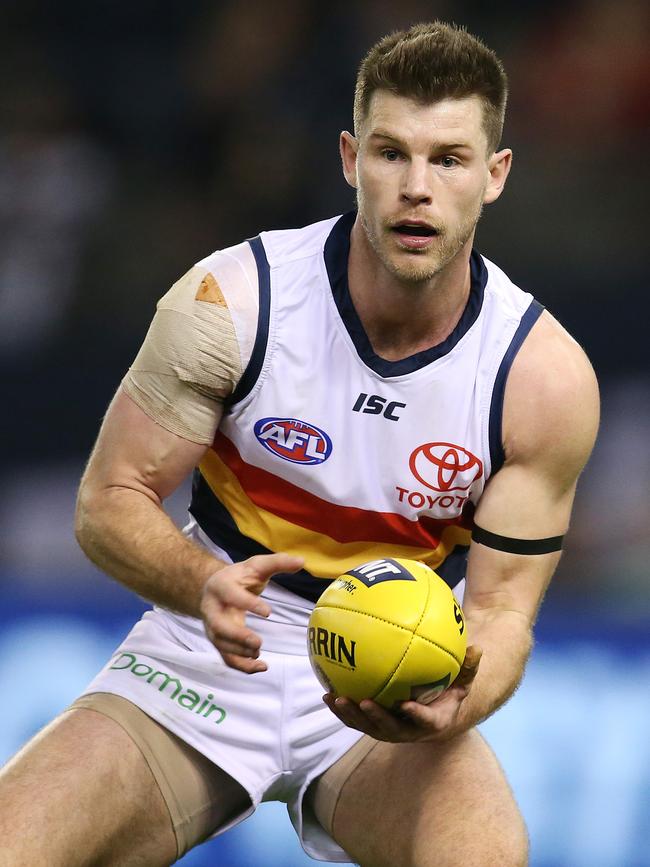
x: 228, y: 594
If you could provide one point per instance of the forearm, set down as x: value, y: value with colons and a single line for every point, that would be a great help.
x: 505, y: 637
x: 131, y: 538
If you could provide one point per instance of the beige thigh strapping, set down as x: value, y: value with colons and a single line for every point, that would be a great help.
x: 326, y: 791
x: 193, y: 788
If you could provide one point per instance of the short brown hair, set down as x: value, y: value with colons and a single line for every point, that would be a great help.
x: 430, y: 62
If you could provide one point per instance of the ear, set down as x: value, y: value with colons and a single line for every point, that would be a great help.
x: 349, y: 147
x: 499, y: 166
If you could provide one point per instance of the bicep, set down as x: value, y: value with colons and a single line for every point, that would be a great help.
x: 550, y: 423
x: 133, y: 451
x: 519, y: 503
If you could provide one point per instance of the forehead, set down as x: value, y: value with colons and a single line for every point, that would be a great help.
x: 460, y: 119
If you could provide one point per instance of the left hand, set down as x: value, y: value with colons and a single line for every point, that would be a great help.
x: 412, y: 721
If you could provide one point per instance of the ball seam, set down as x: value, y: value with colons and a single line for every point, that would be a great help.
x: 397, y: 626
x: 393, y: 674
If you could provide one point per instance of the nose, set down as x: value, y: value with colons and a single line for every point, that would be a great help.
x: 416, y: 188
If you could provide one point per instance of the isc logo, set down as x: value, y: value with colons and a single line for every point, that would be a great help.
x: 373, y: 404
x: 294, y: 440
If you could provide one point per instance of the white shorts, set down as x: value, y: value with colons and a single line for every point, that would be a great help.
x: 270, y: 731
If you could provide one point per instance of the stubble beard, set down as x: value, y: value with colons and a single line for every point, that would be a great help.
x: 420, y: 267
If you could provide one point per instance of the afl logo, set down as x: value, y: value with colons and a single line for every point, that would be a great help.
x: 445, y: 467
x: 294, y: 440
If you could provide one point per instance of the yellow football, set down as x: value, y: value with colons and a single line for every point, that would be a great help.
x: 390, y: 630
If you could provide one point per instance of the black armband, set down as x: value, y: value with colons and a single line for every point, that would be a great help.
x: 516, y: 546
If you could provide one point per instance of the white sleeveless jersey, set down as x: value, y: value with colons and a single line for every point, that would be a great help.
x: 332, y: 453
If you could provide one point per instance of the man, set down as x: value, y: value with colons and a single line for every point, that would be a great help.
x: 364, y: 387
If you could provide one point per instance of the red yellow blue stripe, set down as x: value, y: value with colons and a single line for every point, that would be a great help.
x: 283, y: 517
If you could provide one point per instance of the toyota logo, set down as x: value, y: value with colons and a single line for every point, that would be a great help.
x: 445, y: 467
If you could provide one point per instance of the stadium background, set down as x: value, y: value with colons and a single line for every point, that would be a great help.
x: 137, y: 137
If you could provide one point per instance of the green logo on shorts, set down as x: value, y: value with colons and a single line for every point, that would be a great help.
x: 186, y: 698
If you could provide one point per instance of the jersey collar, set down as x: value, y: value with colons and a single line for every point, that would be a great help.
x: 336, y: 253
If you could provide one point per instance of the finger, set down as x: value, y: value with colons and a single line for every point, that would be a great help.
x: 241, y: 663
x: 340, y: 707
x: 266, y: 565
x: 351, y: 714
x: 235, y: 648
x: 221, y: 594
x: 371, y: 719
x: 386, y: 723
x: 228, y: 626
x: 230, y: 636
x: 426, y: 715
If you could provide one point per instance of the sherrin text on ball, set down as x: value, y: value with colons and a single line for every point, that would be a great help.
x: 390, y: 630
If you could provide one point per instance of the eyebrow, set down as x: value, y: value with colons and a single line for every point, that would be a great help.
x: 379, y: 133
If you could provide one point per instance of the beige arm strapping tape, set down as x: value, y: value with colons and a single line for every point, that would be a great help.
x: 190, y: 359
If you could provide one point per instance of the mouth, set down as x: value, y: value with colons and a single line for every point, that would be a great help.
x: 414, y: 234
x: 419, y: 229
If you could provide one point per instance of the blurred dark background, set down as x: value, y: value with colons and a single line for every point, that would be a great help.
x: 137, y: 137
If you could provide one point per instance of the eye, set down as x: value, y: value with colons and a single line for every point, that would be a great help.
x: 390, y: 155
x: 448, y: 162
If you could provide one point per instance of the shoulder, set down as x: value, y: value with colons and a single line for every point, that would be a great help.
x: 225, y: 278
x: 218, y: 297
x: 551, y: 404
x: 284, y: 246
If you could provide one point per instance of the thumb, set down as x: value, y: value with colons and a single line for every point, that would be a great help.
x: 470, y: 666
x: 473, y: 656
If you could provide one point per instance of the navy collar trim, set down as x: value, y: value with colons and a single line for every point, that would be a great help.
x: 336, y: 253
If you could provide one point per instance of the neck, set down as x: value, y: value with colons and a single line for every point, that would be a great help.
x: 399, y: 317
